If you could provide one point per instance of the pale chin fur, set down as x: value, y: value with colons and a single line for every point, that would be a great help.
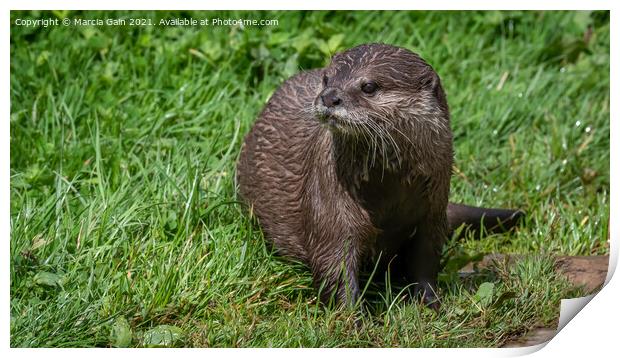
x: 336, y: 119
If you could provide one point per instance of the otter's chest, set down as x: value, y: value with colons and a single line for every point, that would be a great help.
x: 395, y: 204
x: 396, y: 207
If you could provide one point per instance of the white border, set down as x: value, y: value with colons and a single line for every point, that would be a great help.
x: 593, y: 331
x: 311, y: 5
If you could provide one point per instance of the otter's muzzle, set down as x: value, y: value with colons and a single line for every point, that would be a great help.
x: 331, y: 97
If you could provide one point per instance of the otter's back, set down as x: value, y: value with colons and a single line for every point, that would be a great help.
x: 270, y: 169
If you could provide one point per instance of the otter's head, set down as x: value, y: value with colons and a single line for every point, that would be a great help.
x: 377, y: 86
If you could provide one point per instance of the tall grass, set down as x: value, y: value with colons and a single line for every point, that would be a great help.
x: 123, y: 143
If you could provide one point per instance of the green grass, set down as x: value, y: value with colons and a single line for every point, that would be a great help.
x: 124, y: 140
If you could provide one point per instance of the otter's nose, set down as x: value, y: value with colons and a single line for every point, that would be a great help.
x: 330, y: 98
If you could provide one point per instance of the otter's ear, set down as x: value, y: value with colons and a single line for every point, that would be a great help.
x: 430, y: 80
x: 433, y: 85
x: 335, y: 57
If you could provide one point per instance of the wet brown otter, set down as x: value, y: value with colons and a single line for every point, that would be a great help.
x: 352, y: 162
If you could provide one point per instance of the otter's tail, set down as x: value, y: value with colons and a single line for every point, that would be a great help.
x: 475, y: 218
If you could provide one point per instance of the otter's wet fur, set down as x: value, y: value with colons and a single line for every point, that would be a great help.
x: 351, y: 163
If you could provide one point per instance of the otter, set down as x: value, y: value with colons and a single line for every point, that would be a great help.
x: 348, y: 167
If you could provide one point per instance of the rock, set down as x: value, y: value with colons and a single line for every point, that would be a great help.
x: 588, y: 272
x: 533, y: 337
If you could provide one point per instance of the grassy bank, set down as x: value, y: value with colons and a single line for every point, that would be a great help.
x: 123, y: 143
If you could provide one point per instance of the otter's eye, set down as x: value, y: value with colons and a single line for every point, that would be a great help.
x: 370, y: 87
